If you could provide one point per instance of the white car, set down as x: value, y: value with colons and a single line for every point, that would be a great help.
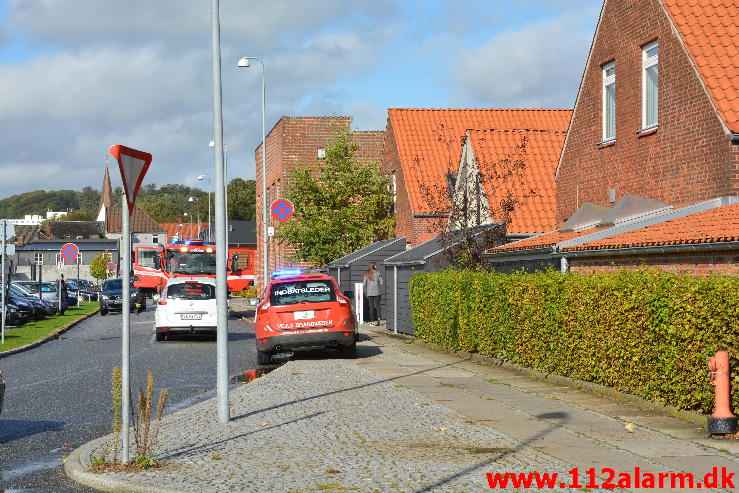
x: 187, y: 305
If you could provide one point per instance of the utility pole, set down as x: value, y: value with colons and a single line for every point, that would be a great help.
x: 221, y: 241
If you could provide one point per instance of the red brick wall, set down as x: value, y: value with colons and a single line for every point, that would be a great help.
x: 689, y: 158
x: 703, y: 263
x: 294, y: 142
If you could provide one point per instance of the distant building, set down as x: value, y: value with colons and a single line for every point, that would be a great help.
x: 144, y: 229
x: 36, y: 219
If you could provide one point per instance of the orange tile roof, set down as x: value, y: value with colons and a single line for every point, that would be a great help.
x: 520, y: 164
x: 541, y: 241
x: 711, y: 35
x: 429, y: 143
x: 141, y: 222
x: 715, y: 225
x: 185, y: 231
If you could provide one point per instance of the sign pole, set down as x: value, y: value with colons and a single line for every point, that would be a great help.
x: 133, y: 165
x: 125, y: 327
x: 79, y: 260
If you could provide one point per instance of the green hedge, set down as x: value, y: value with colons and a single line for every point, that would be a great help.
x: 644, y: 332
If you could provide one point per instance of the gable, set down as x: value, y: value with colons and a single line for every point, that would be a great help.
x: 709, y: 32
x: 429, y: 144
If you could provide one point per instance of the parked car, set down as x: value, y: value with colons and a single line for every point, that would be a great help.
x: 23, y: 308
x: 48, y: 290
x: 11, y: 315
x: 302, y: 312
x: 187, y: 305
x: 2, y: 392
x: 49, y: 307
x: 111, y: 297
x: 38, y: 309
x: 85, y: 291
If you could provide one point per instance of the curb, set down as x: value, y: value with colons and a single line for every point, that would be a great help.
x: 76, y: 471
x: 50, y: 337
x: 593, y: 388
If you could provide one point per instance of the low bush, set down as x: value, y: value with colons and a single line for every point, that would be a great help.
x: 645, y: 332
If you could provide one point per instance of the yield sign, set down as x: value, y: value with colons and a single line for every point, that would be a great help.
x: 282, y: 209
x: 69, y: 252
x: 133, y: 165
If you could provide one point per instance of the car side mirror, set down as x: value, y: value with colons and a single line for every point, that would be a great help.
x: 156, y: 297
x: 253, y: 301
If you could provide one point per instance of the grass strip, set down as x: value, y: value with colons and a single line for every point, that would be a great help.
x: 29, y: 332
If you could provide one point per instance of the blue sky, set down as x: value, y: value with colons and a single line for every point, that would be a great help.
x: 80, y: 75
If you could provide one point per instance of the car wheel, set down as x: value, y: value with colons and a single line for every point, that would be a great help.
x: 161, y: 337
x: 264, y: 358
x: 103, y: 312
x: 349, y: 352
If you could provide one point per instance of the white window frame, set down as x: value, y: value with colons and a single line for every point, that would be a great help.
x: 648, y: 62
x: 38, y: 258
x: 607, y: 81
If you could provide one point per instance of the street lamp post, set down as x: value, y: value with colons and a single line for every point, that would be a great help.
x: 197, y: 204
x: 225, y: 189
x: 210, y: 185
x: 244, y: 62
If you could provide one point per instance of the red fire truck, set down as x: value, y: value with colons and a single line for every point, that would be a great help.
x: 154, y: 264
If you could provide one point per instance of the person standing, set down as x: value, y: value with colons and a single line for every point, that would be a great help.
x: 372, y: 284
x: 63, y: 293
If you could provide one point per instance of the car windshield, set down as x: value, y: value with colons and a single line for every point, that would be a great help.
x: 191, y: 291
x: 307, y: 291
x: 29, y: 287
x: 192, y: 263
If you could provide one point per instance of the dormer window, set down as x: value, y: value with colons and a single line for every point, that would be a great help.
x: 609, y: 101
x: 650, y: 72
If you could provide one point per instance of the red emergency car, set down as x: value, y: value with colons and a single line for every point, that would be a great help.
x: 303, y: 311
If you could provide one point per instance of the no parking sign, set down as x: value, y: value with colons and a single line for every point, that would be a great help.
x: 282, y: 210
x: 69, y: 252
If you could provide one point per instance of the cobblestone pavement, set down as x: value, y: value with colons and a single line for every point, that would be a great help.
x: 329, y: 425
x: 406, y: 418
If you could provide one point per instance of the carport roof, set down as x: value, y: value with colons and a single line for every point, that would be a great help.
x: 419, y: 254
x: 363, y: 252
x: 81, y: 244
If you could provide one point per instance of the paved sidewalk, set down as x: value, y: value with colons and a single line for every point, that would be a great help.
x: 403, y: 417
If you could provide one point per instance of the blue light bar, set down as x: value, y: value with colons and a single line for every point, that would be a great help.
x: 278, y: 274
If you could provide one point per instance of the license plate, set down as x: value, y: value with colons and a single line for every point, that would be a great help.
x: 191, y: 316
x: 306, y: 315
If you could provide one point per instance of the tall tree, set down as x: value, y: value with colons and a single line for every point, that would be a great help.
x: 242, y: 196
x: 340, y: 207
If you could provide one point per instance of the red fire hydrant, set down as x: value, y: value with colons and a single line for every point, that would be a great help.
x: 722, y: 421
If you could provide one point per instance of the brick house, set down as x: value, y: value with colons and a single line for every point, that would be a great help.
x: 649, y: 172
x: 423, y: 150
x: 657, y: 112
x: 300, y: 141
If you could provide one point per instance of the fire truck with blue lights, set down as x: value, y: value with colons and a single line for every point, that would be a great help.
x: 155, y: 264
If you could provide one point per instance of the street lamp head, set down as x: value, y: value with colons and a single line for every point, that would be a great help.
x: 202, y: 177
x: 244, y: 62
x: 212, y: 143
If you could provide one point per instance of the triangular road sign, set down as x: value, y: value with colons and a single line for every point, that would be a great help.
x: 133, y: 165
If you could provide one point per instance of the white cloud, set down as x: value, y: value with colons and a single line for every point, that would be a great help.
x: 538, y: 65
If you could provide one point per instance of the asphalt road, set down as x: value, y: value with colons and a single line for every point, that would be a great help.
x: 58, y: 394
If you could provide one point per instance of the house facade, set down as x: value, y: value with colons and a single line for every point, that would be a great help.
x: 657, y: 112
x: 423, y: 150
x: 298, y: 142
x: 649, y: 172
